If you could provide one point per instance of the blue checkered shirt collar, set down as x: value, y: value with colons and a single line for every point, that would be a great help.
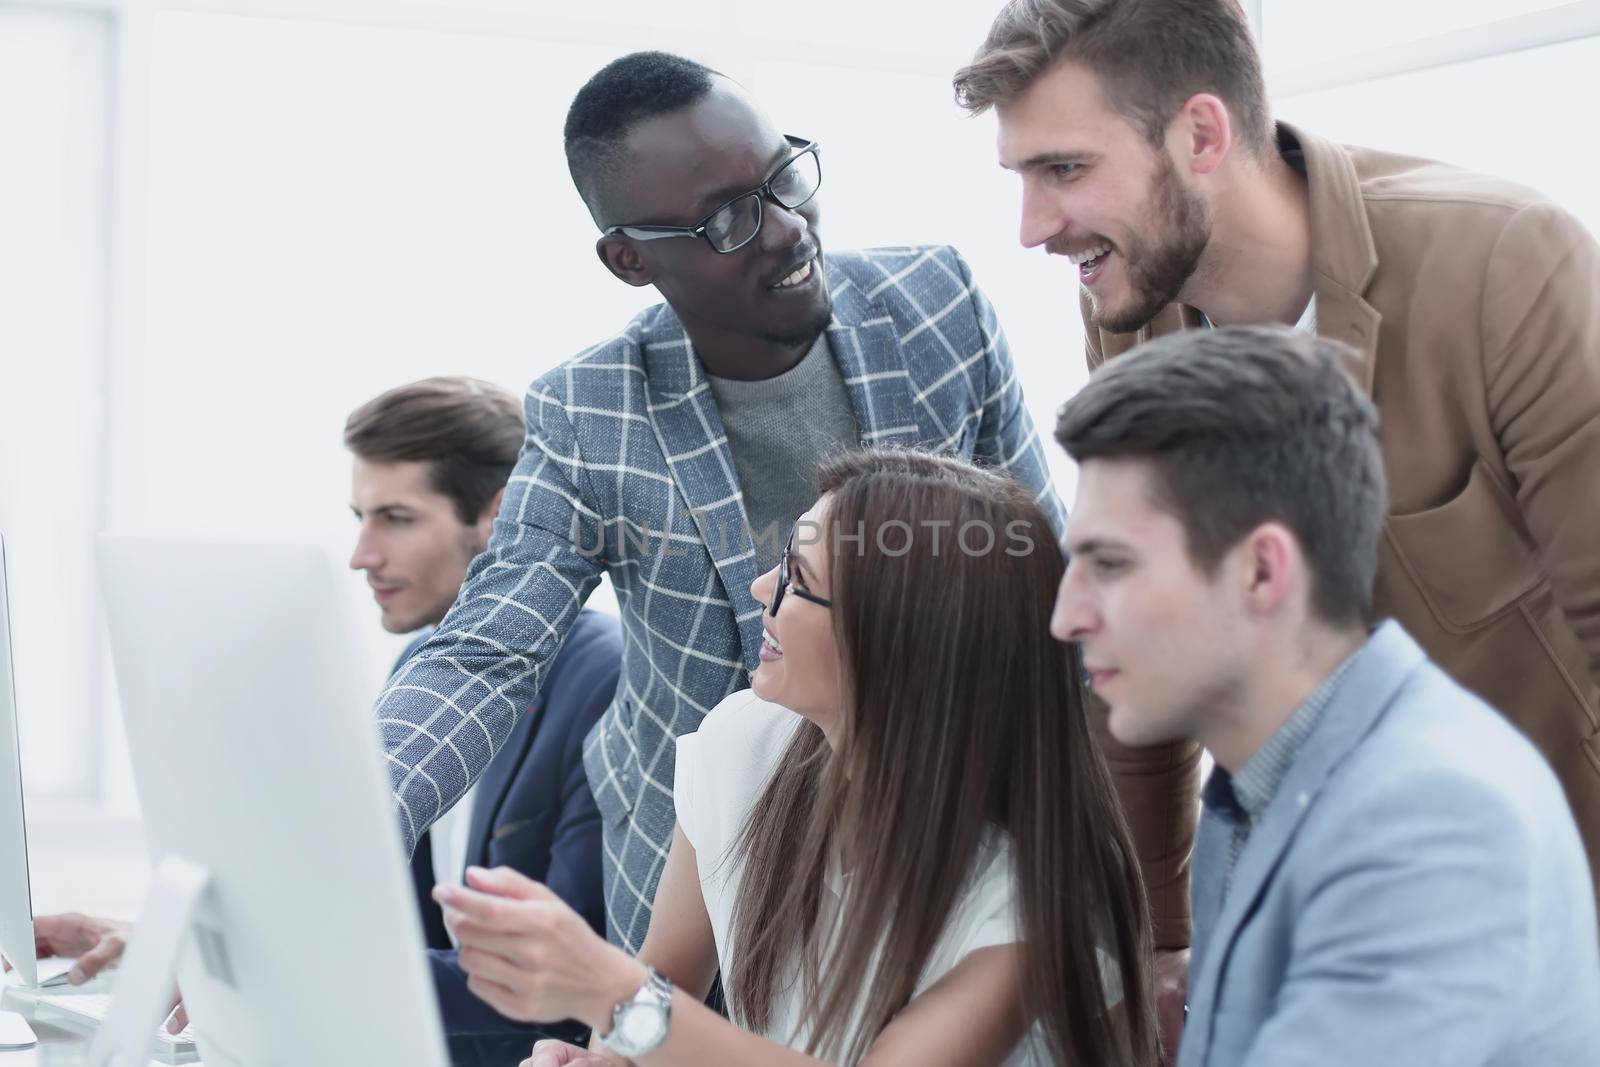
x: 1257, y: 782
x: 1243, y: 798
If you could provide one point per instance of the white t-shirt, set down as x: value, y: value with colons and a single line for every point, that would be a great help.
x: 449, y: 840
x: 722, y: 770
x: 1308, y: 317
x: 1307, y: 323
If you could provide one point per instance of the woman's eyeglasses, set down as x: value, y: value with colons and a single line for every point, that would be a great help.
x: 786, y: 586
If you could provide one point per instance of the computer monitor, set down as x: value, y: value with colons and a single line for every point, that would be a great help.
x: 16, y: 900
x: 257, y: 765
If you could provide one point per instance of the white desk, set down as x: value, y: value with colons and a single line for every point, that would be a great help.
x: 64, y: 1042
x: 61, y: 1044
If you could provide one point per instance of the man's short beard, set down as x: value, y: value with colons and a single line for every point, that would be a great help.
x: 807, y: 332
x: 1159, y: 273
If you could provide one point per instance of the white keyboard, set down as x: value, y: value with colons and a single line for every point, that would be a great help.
x: 97, y: 1006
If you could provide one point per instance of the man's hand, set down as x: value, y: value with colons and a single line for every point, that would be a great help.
x: 1172, y: 989
x: 551, y: 1053
x: 97, y: 943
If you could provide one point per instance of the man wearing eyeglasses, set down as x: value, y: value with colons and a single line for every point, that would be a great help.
x: 676, y: 456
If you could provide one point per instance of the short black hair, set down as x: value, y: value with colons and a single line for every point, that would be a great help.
x: 467, y: 431
x: 1246, y: 425
x: 622, y: 94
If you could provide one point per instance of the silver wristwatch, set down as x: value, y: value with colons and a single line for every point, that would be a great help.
x: 639, y: 1024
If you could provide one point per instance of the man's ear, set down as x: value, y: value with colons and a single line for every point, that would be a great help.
x: 1204, y: 132
x: 621, y: 257
x: 485, y: 523
x: 1272, y: 568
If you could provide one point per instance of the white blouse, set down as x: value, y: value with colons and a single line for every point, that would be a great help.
x: 722, y: 770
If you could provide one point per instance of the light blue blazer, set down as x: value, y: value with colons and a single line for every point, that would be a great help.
x: 1416, y: 894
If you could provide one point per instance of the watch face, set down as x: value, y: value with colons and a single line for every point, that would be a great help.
x: 642, y: 1025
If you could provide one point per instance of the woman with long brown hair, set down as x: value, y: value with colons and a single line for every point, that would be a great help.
x: 900, y: 846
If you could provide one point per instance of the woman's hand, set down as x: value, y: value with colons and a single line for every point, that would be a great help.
x: 551, y: 1053
x: 530, y: 956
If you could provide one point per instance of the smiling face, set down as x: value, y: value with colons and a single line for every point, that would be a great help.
x: 413, y: 546
x: 680, y: 167
x: 1095, y: 190
x: 800, y: 660
x: 1164, y: 644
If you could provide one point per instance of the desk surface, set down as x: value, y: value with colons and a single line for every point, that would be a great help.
x: 64, y: 1042
x: 59, y: 1046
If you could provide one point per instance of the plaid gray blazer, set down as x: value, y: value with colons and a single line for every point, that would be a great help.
x: 626, y: 471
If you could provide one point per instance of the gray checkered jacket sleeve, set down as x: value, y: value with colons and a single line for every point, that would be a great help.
x: 444, y: 715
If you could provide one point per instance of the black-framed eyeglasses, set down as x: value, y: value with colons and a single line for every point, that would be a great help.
x: 736, y: 223
x: 785, y: 586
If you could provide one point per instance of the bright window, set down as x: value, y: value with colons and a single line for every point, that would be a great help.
x: 54, y: 257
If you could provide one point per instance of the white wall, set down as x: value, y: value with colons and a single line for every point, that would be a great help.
x: 1517, y: 116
